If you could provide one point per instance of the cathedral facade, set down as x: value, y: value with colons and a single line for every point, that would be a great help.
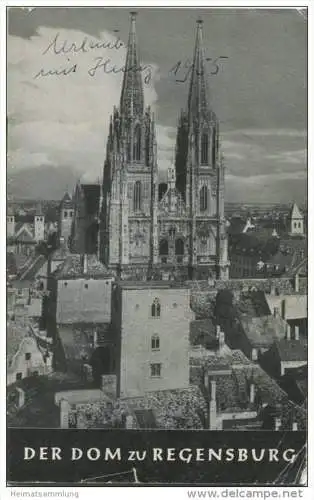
x: 151, y: 231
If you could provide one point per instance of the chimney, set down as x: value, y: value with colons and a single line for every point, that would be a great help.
x: 64, y: 414
x: 288, y: 332
x: 252, y: 392
x: 213, y: 390
x: 277, y: 423
x: 297, y: 333
x: 296, y: 283
x: 294, y: 426
x: 212, y: 413
x: 217, y: 331
x: 85, y: 264
x: 129, y: 422
x: 276, y: 312
x: 21, y: 397
x: 221, y: 340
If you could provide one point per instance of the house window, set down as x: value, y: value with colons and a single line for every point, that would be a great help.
x: 65, y: 284
x: 27, y: 356
x: 137, y: 196
x: 65, y: 214
x: 155, y: 343
x: 295, y: 224
x: 156, y: 308
x: 299, y: 225
x: 137, y: 143
x: 204, y: 149
x: 155, y: 370
x: 71, y: 214
x: 86, y: 285
x: 203, y: 198
x: 18, y: 376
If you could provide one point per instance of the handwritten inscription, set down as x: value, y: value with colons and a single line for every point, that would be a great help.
x: 58, y: 46
x: 180, y: 72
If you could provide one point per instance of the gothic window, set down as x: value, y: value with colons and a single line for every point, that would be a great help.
x: 179, y: 249
x: 203, y: 198
x: 137, y: 195
x: 156, y: 308
x: 155, y: 343
x: 137, y: 143
x: 146, y: 190
x: 204, y: 149
x: 162, y: 188
x: 214, y: 147
x: 130, y: 190
x: 163, y: 250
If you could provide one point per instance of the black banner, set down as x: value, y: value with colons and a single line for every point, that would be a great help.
x: 111, y: 457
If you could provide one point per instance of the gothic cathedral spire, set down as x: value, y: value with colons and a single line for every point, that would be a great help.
x: 132, y: 96
x: 198, y: 98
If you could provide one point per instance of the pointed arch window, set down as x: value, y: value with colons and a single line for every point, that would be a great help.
x: 204, y: 149
x: 163, y: 250
x: 214, y: 147
x: 156, y: 308
x: 203, y: 199
x: 137, y: 143
x: 137, y: 196
x: 179, y: 249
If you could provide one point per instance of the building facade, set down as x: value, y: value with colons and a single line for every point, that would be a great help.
x: 146, y: 232
x: 152, y: 325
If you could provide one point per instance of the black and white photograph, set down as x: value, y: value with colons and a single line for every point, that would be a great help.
x: 156, y: 246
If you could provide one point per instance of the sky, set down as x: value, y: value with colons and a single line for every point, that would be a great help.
x: 58, y: 124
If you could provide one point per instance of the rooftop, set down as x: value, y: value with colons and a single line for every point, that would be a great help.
x: 292, y: 350
x: 262, y: 331
x: 77, y: 266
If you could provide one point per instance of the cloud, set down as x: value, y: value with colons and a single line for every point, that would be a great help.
x: 60, y: 120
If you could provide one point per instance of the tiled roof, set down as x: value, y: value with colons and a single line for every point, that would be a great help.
x: 25, y: 237
x: 16, y: 332
x: 262, y: 331
x: 73, y: 267
x: 292, y: 350
x: 173, y: 409
x: 61, y: 253
x: 203, y: 332
x: 232, y: 389
x: 252, y: 303
x: 30, y: 270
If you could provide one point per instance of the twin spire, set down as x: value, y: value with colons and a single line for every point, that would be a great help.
x: 132, y: 95
x: 197, y: 100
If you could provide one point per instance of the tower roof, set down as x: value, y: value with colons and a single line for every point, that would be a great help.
x: 295, y: 212
x: 198, y: 95
x: 132, y: 97
x: 39, y: 209
x: 67, y: 201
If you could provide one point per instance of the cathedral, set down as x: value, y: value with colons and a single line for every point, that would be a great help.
x: 139, y: 228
